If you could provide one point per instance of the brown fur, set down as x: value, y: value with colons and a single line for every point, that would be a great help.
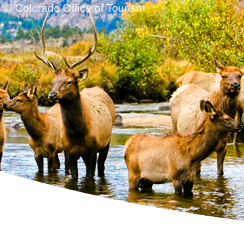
x: 211, y: 83
x: 160, y: 159
x: 88, y: 118
x: 186, y: 115
x: 4, y: 97
x: 208, y: 81
x: 44, y: 128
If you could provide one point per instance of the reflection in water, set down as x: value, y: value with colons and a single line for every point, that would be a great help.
x: 212, y: 195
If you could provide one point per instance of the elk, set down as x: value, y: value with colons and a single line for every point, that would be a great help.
x: 88, y: 116
x: 207, y: 81
x: 186, y: 115
x: 211, y: 83
x: 4, y: 97
x: 43, y: 128
x: 160, y: 159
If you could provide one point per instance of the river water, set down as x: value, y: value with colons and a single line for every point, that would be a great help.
x: 212, y: 196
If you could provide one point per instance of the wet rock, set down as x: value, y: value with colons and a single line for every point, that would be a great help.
x: 146, y: 101
x: 131, y: 99
x: 164, y: 106
x: 14, y: 125
x: 118, y: 120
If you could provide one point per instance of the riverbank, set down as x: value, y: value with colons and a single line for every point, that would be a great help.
x: 143, y: 115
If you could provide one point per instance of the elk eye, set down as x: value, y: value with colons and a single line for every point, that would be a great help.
x: 226, y: 119
x: 69, y: 82
x: 0, y: 97
x: 18, y: 100
x: 224, y: 76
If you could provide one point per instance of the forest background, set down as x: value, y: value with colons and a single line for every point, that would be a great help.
x: 142, y: 58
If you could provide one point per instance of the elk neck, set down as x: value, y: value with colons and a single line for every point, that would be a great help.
x: 34, y: 122
x: 73, y: 116
x: 227, y: 103
x: 200, y: 144
x: 1, y: 114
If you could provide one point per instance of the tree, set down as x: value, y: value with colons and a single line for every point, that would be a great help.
x: 20, y: 34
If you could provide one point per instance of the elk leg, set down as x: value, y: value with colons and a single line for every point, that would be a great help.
x: 101, y: 160
x: 39, y: 161
x: 237, y: 118
x: 51, y: 163
x: 146, y: 184
x: 92, y: 165
x: 177, y: 186
x: 72, y: 163
x: 67, y: 172
x: 134, y: 181
x: 188, y: 185
x: 220, y: 159
x: 198, y: 169
x: 1, y: 154
x: 86, y: 161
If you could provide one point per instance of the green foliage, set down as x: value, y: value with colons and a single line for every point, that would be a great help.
x: 197, y: 31
x: 3, y: 39
x: 136, y: 60
x: 11, y: 22
x: 20, y: 34
x: 50, y: 32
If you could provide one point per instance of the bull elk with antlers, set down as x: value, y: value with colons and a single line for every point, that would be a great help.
x: 43, y: 128
x: 88, y: 116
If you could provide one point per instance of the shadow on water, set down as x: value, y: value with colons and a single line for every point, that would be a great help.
x: 90, y: 186
x: 212, y: 195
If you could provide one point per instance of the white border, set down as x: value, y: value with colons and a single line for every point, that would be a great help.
x: 33, y: 212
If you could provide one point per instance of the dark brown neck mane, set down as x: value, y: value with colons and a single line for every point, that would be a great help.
x: 227, y: 103
x: 73, y: 118
x: 1, y: 114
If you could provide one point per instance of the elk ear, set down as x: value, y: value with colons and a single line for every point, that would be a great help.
x: 32, y: 92
x: 82, y: 75
x: 26, y: 88
x: 218, y: 65
x: 208, y: 108
x: 5, y: 86
x: 242, y: 70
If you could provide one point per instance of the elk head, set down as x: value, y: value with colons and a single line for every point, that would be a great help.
x: 222, y: 122
x: 65, y: 83
x: 231, y: 78
x: 4, y: 97
x: 23, y: 101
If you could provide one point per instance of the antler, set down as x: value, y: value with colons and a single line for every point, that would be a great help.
x: 43, y: 59
x: 91, y: 51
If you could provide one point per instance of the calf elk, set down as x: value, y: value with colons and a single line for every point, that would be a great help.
x: 160, y: 159
x: 4, y: 97
x: 43, y: 128
x: 186, y: 115
x: 88, y: 116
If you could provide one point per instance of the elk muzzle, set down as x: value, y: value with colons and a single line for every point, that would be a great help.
x: 6, y: 107
x: 52, y: 95
x: 235, y: 86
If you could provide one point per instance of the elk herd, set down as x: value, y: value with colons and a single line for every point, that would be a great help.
x: 204, y: 110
